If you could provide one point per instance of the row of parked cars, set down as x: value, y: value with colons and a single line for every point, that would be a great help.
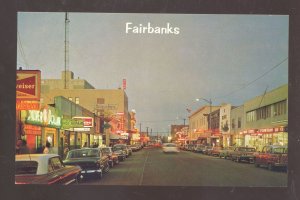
x: 271, y: 156
x: 78, y: 164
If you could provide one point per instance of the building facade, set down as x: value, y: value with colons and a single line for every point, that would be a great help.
x: 199, y: 125
x: 267, y: 118
x: 237, y: 125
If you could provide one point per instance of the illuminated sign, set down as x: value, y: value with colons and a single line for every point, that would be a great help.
x: 71, y: 123
x: 44, y: 117
x: 87, y: 121
x: 27, y: 105
x: 28, y: 85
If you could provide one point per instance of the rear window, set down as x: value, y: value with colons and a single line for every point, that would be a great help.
x: 280, y: 150
x: 170, y: 145
x: 83, y: 153
x: 26, y: 167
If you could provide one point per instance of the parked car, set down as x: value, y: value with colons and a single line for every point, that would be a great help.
x: 44, y: 169
x: 272, y: 157
x: 215, y: 151
x: 124, y: 148
x: 112, y: 156
x: 91, y: 160
x: 226, y: 152
x: 199, y: 148
x: 170, y: 148
x: 190, y: 147
x: 120, y: 152
x: 207, y: 150
x: 243, y: 154
x: 134, y: 147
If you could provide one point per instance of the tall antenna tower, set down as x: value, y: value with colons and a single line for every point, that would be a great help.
x: 66, y: 47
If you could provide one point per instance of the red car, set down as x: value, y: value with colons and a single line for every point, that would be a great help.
x: 44, y: 169
x: 272, y: 156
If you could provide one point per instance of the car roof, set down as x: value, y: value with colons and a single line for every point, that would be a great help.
x: 35, y: 157
x: 41, y: 159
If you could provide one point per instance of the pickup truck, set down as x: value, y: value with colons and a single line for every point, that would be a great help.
x: 243, y: 154
x: 272, y: 156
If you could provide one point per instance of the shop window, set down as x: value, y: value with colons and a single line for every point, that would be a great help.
x: 233, y: 124
x: 70, y: 98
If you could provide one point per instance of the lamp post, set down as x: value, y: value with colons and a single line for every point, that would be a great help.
x: 210, y: 103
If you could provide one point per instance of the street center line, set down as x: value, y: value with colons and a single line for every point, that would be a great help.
x: 142, y: 177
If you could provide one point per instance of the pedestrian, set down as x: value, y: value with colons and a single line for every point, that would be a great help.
x: 47, y: 148
x: 21, y: 147
x: 66, y: 149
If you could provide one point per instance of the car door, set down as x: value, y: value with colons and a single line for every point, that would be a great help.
x: 57, y: 173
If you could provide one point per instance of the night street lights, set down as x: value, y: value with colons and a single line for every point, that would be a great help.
x: 210, y: 103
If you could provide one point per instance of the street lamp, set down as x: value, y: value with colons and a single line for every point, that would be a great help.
x: 210, y: 103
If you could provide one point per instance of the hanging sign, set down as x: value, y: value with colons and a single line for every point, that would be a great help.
x: 28, y: 85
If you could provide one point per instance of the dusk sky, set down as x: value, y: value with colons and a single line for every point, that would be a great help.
x: 225, y: 58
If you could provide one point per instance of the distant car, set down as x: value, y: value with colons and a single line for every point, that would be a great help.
x: 124, y: 148
x: 199, y: 148
x: 91, y: 160
x: 120, y: 152
x: 190, y: 147
x: 226, y: 152
x: 44, y: 169
x: 272, y: 157
x: 112, y: 156
x: 245, y: 154
x: 215, y: 151
x: 207, y: 150
x: 170, y: 148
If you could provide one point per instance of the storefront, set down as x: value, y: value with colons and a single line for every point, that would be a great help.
x: 42, y: 126
x: 258, y: 138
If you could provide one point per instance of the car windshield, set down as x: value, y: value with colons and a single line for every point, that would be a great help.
x: 117, y: 148
x: 106, y: 150
x: 83, y: 153
x: 170, y: 145
x: 280, y: 150
x: 247, y: 149
x: 26, y: 167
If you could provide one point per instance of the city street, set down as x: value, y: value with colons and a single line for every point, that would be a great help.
x: 152, y: 167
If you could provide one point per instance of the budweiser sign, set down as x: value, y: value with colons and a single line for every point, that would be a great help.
x: 28, y: 85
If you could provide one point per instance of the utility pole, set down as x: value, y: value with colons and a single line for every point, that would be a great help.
x: 66, y: 48
x: 147, y: 131
x: 184, y: 122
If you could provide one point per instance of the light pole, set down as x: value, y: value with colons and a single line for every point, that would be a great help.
x: 210, y: 103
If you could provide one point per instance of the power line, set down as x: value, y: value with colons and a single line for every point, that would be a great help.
x: 251, y: 82
x: 21, y: 49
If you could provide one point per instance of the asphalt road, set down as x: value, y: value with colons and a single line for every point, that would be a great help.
x: 152, y: 167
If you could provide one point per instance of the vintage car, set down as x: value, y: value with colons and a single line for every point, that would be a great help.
x: 199, y: 148
x: 44, y: 169
x: 226, y: 152
x: 120, y: 152
x: 124, y: 148
x: 170, y: 148
x: 91, y: 160
x: 112, y: 156
x: 272, y: 157
x: 215, y: 151
x: 207, y: 150
x: 245, y: 154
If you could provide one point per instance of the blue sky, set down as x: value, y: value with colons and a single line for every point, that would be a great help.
x: 214, y: 56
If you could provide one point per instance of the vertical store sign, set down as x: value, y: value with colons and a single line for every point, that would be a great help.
x: 28, y: 89
x: 124, y: 84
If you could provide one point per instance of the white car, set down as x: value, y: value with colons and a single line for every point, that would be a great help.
x: 170, y: 148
